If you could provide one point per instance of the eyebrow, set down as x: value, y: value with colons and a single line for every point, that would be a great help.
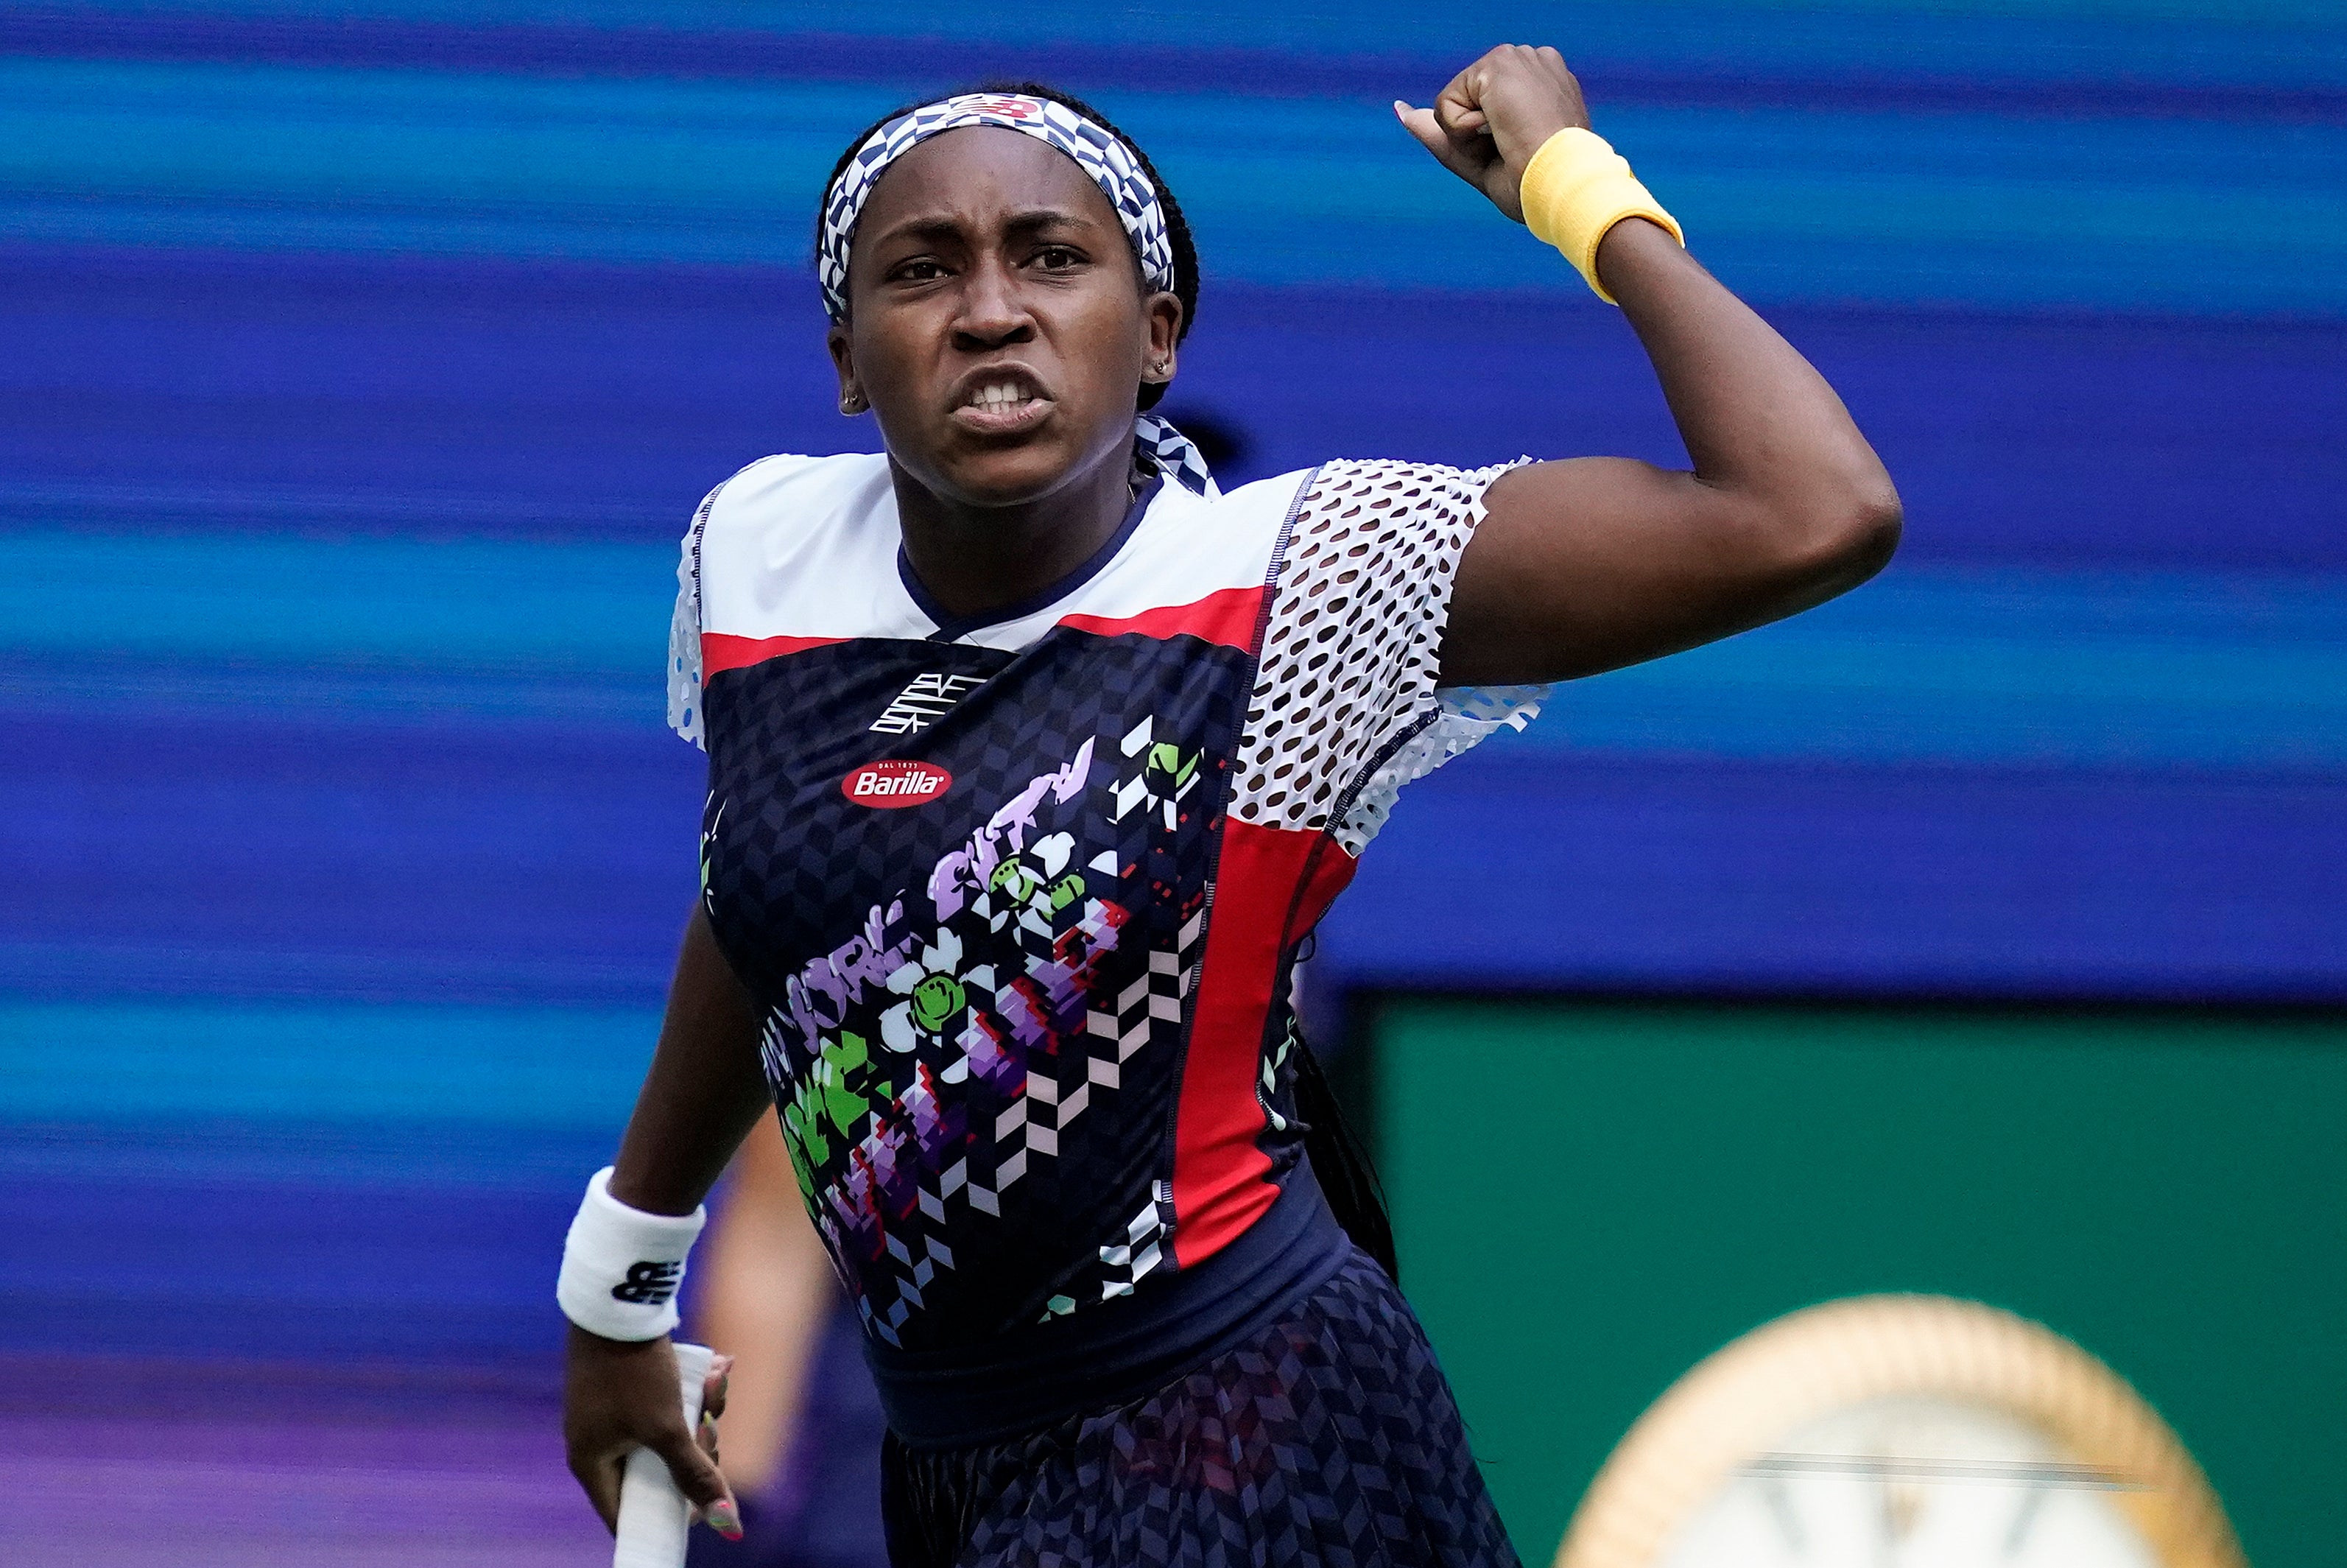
x: 1030, y: 221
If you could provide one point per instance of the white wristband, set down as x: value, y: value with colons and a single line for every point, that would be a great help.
x: 621, y: 1267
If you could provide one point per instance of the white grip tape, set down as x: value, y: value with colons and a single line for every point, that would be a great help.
x: 654, y: 1517
x: 622, y: 1267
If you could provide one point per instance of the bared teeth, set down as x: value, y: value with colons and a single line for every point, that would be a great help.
x: 997, y: 397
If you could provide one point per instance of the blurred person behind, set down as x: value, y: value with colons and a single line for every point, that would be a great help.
x: 802, y: 1424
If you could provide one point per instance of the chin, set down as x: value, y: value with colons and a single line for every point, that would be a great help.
x: 1009, y: 475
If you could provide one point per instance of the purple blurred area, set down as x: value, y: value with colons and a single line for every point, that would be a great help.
x: 227, y: 1464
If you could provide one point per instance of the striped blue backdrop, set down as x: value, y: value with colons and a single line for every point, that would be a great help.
x: 359, y: 365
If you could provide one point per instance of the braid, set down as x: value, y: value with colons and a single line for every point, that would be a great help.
x: 1177, y: 227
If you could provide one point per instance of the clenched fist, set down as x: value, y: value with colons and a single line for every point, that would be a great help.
x: 1486, y: 125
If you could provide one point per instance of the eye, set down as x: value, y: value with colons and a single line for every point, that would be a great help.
x: 1059, y: 257
x: 920, y: 270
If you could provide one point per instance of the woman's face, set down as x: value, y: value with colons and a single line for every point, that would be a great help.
x: 996, y: 322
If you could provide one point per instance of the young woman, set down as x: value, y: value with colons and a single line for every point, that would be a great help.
x: 1034, y: 755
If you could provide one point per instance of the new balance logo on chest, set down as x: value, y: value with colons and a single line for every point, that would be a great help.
x: 920, y: 704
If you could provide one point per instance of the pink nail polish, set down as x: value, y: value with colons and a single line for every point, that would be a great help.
x: 724, y: 1520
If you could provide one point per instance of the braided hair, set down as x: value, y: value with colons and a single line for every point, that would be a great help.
x: 1177, y: 228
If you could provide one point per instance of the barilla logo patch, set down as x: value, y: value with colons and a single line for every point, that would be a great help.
x: 895, y: 784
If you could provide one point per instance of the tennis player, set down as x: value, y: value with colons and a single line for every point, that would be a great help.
x: 1034, y: 755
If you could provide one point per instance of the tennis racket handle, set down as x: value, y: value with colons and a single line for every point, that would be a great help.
x: 654, y: 1517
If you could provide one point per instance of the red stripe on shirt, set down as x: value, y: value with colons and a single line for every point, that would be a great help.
x: 1269, y: 887
x: 1229, y: 617
x: 723, y: 651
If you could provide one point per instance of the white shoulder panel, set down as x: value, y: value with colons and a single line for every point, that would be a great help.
x: 805, y: 547
x: 788, y: 540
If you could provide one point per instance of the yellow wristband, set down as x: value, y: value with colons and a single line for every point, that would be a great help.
x: 1575, y: 189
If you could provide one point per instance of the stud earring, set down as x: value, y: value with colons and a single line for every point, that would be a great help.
x: 851, y: 403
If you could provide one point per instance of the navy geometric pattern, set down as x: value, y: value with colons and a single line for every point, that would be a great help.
x: 974, y: 1007
x: 1329, y: 1440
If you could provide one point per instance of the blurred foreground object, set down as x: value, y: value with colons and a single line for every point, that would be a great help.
x: 1896, y: 1430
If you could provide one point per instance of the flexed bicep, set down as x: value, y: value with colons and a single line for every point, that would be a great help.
x: 1590, y: 564
x: 1593, y: 563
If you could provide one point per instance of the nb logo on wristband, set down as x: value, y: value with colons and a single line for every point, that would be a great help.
x: 648, y: 1284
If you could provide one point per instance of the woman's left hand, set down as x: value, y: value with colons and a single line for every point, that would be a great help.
x: 1486, y: 125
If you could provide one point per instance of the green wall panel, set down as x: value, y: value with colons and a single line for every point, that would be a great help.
x: 1591, y: 1197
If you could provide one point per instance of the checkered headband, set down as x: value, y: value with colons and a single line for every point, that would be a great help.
x: 1097, y: 150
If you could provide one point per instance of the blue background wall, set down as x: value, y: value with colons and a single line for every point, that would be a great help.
x: 359, y: 365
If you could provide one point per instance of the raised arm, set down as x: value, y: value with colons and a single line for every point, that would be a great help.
x: 1591, y: 563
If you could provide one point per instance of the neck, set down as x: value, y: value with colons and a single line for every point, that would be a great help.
x: 974, y: 560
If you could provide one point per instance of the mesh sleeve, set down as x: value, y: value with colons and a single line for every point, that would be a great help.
x: 684, y: 633
x: 1345, y: 709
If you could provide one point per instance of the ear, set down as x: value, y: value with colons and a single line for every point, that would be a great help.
x: 1161, y: 352
x: 852, y: 400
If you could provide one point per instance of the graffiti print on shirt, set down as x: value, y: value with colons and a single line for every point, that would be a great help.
x: 939, y: 1054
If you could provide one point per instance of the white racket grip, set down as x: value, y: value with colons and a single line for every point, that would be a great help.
x: 654, y: 1517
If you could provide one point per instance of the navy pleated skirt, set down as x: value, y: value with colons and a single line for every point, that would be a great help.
x: 1327, y: 1437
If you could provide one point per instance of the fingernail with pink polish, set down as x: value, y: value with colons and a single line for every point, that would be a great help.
x: 724, y: 1519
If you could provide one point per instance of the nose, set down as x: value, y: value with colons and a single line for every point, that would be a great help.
x: 993, y: 313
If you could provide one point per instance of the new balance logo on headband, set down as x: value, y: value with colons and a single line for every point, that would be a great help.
x: 648, y: 1284
x: 1008, y: 107
x: 1108, y: 159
